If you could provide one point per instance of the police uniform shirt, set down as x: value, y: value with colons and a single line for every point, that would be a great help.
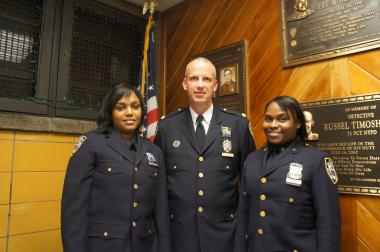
x: 115, y: 196
x: 290, y: 203
x: 203, y: 181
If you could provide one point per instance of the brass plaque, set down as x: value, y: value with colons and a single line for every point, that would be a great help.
x: 349, y: 130
x: 319, y: 29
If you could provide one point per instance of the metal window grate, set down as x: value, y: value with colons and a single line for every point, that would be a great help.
x: 105, y: 51
x: 20, y: 28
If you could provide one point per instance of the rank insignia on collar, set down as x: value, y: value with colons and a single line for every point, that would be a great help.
x: 151, y: 159
x: 331, y: 170
x: 78, y: 144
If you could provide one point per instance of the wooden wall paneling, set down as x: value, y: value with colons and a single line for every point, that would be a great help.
x: 368, y: 227
x: 362, y: 247
x: 361, y: 81
x: 225, y: 23
x: 368, y: 60
x: 303, y: 81
x: 340, y: 84
x: 348, y: 223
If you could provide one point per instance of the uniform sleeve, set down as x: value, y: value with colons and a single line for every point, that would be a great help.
x: 327, y: 211
x: 162, y: 209
x: 159, y: 138
x: 75, y: 200
x: 247, y: 143
x: 242, y: 217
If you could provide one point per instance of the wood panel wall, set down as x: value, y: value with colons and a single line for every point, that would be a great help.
x: 195, y: 26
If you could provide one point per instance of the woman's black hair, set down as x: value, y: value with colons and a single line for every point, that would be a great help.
x: 104, y: 121
x: 290, y: 103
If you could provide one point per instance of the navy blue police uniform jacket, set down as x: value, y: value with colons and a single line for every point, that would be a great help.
x: 203, y: 183
x: 114, y: 199
x: 285, y: 210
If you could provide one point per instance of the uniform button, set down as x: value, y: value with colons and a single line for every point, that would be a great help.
x: 135, y: 186
x: 232, y: 216
x: 262, y: 213
x: 134, y: 224
x: 200, y: 209
x: 244, y: 193
x: 136, y: 168
x: 172, y: 216
x: 200, y: 192
x: 155, y: 174
x: 246, y: 236
x: 263, y: 197
x: 200, y: 174
x: 105, y: 234
x: 174, y: 167
x: 291, y: 200
x: 135, y: 204
x: 260, y: 231
x: 227, y: 167
x: 201, y: 158
x: 263, y: 180
x: 109, y: 169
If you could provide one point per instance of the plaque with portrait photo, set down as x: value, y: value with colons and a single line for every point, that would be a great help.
x: 230, y: 64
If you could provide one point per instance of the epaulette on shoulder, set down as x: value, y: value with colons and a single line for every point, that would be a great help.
x: 233, y: 112
x: 171, y: 114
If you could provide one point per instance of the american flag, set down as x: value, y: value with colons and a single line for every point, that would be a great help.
x: 148, y: 85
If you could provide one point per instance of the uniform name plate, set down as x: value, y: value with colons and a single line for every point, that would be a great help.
x: 349, y: 130
x: 313, y: 30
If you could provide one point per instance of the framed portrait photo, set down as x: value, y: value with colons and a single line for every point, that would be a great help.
x: 230, y: 64
x: 228, y: 80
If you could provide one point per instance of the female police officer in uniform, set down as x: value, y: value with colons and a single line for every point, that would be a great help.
x: 288, y: 198
x: 115, y: 193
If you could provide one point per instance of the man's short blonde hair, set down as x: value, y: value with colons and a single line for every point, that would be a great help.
x: 204, y: 60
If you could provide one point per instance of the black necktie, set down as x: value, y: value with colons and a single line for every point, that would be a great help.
x: 200, y: 131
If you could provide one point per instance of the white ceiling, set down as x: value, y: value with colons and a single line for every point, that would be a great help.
x: 162, y: 4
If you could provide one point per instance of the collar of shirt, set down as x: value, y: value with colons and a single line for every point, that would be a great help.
x: 206, y: 115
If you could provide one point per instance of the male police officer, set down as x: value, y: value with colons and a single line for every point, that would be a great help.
x: 205, y: 148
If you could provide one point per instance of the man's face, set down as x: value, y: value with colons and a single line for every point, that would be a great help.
x: 308, y: 121
x: 227, y: 75
x: 301, y: 5
x: 200, y: 83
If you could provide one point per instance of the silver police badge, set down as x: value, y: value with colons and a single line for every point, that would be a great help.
x: 294, y: 176
x: 151, y: 159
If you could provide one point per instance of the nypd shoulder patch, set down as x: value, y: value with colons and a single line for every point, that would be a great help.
x: 78, y: 144
x: 329, y: 166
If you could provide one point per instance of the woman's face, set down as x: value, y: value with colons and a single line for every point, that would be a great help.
x: 126, y: 115
x: 279, y: 125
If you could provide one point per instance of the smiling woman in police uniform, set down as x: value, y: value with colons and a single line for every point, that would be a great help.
x: 288, y: 199
x: 115, y: 193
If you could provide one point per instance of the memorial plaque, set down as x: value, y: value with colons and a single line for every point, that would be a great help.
x: 349, y: 129
x: 319, y: 29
